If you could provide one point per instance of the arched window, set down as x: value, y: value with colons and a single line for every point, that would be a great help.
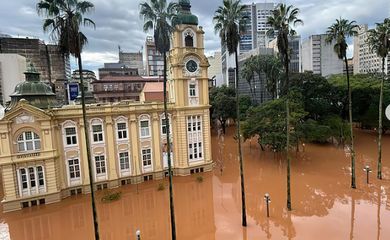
x: 28, y: 141
x: 189, y: 40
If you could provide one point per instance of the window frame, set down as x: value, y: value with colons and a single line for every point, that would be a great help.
x: 143, y: 130
x: 99, y: 134
x: 34, y: 142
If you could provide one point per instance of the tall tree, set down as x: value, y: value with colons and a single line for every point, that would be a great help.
x: 379, y: 41
x: 248, y: 73
x: 158, y: 16
x: 338, y: 34
x: 63, y: 20
x: 229, y: 22
x: 282, y: 20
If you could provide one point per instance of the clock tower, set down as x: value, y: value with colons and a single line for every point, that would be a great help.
x: 189, y: 93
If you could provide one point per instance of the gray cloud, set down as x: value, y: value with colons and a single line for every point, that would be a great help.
x: 118, y: 22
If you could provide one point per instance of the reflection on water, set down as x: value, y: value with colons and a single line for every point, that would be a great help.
x: 324, y: 206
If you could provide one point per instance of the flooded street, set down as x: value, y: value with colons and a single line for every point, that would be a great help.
x: 324, y: 205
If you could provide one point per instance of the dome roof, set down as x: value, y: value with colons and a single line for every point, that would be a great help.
x: 185, y: 16
x: 37, y: 93
x: 32, y: 85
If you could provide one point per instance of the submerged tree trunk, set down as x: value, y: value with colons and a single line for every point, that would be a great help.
x: 380, y: 127
x: 88, y: 148
x: 239, y: 147
x: 353, y: 180
x: 171, y: 205
x: 288, y: 140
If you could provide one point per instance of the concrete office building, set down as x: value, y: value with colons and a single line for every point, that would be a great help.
x: 259, y: 93
x: 153, y: 60
x: 43, y: 151
x: 254, y: 36
x: 132, y: 60
x: 117, y: 69
x: 88, y: 78
x: 319, y: 57
x: 215, y: 69
x: 364, y: 60
x: 12, y: 68
x: 294, y: 44
x: 47, y: 59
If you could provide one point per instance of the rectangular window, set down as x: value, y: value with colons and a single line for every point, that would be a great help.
x: 195, y: 138
x: 124, y: 161
x: 146, y: 157
x: 23, y: 178
x: 31, y: 180
x: 122, y: 130
x: 71, y: 137
x: 31, y: 174
x: 192, y: 88
x: 145, y: 132
x: 97, y: 133
x: 41, y: 180
x: 74, y: 169
x: 100, y: 165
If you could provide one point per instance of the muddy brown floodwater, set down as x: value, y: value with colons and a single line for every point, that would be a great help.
x: 324, y: 206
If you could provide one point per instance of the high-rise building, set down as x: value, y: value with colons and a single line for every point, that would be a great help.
x: 153, y: 60
x: 263, y: 11
x: 12, y: 68
x: 365, y: 60
x: 319, y: 56
x: 254, y: 35
x: 132, y: 60
x: 294, y: 44
x: 46, y: 58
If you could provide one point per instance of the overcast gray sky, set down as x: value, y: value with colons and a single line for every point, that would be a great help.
x: 118, y: 22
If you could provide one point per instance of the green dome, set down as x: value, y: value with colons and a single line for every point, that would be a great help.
x: 37, y: 93
x: 185, y: 16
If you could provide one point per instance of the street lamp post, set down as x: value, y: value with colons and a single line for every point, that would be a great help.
x: 367, y: 169
x: 138, y: 234
x: 267, y: 200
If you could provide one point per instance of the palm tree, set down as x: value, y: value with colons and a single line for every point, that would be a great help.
x: 282, y: 20
x: 229, y: 21
x: 379, y: 41
x: 159, y: 16
x: 63, y: 19
x: 338, y: 33
x: 248, y: 73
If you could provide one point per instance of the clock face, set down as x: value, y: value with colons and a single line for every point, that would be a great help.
x: 191, y: 66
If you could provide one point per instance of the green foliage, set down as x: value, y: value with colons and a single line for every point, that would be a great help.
x: 245, y: 103
x: 223, y: 102
x: 199, y: 179
x: 111, y: 196
x: 159, y: 16
x: 161, y: 187
x: 365, y: 98
x: 229, y: 21
x: 268, y: 121
x: 63, y: 19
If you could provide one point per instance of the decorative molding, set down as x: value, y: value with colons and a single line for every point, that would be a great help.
x: 24, y: 118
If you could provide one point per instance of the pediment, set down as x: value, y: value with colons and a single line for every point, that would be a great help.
x: 26, y: 113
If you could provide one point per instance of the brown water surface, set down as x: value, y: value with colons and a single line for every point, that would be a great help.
x: 324, y: 205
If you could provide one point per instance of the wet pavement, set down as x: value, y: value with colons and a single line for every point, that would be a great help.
x: 324, y: 205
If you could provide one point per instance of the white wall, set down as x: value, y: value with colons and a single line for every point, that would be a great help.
x: 12, y: 71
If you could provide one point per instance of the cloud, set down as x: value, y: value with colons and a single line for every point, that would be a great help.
x: 118, y: 22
